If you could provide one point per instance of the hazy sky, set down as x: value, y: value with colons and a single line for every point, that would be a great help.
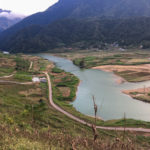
x: 26, y: 7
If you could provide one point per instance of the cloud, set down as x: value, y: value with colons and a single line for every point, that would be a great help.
x: 11, y: 15
x: 26, y: 7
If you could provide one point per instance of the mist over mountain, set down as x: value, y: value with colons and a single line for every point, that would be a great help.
x: 65, y: 11
x: 8, y: 18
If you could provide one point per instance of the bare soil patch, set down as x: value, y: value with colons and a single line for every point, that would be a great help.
x: 65, y: 91
x: 142, y: 94
x: 130, y: 73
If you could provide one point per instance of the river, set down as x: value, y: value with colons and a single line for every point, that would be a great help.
x: 112, y: 103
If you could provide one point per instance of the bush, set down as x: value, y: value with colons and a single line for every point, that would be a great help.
x: 21, y: 64
x: 57, y: 70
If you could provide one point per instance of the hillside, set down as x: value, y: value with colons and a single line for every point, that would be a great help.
x: 78, y: 10
x: 28, y: 121
x: 82, y: 34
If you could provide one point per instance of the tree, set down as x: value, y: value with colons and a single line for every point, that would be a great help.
x: 82, y: 63
x: 35, y: 111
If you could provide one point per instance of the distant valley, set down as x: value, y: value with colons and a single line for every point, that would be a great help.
x: 8, y: 19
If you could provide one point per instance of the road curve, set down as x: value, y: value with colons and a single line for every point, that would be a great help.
x: 84, y: 122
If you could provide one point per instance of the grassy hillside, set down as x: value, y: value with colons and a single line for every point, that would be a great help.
x: 27, y: 121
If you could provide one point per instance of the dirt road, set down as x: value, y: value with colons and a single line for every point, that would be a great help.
x: 84, y: 122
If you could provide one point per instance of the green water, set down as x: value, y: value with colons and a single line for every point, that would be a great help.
x: 112, y: 103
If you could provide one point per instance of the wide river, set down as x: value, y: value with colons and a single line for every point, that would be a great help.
x: 112, y: 103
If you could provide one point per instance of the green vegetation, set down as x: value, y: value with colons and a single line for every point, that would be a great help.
x: 126, y: 58
x: 143, y: 96
x: 134, y: 76
x: 6, y: 65
x: 122, y: 59
x: 57, y: 70
x: 65, y: 85
x: 27, y: 121
x: 21, y: 64
x: 6, y: 71
x: 127, y: 123
x: 81, y: 34
x: 70, y: 82
x: 21, y: 76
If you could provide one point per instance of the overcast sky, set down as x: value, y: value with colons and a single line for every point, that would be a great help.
x: 26, y: 7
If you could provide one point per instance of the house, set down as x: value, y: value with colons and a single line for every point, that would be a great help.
x: 35, y: 79
x: 5, y: 52
x: 121, y: 49
x: 44, y: 80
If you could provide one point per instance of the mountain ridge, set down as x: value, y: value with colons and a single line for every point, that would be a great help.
x: 78, y: 10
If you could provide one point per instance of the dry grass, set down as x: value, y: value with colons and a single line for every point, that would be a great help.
x: 65, y: 91
x: 15, y: 139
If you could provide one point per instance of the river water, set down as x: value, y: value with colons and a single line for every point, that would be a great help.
x: 112, y: 103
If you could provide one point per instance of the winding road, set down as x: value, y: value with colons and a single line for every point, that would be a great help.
x: 84, y: 122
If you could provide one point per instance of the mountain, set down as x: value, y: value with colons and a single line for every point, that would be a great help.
x: 81, y: 33
x: 7, y: 19
x: 64, y: 13
x: 99, y: 8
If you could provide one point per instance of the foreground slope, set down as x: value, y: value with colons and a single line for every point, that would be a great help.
x: 29, y: 122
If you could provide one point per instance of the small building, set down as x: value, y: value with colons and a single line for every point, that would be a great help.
x: 44, y: 80
x: 121, y: 49
x: 35, y: 79
x: 141, y: 46
x: 5, y: 52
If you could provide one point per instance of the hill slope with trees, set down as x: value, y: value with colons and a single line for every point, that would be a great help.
x: 82, y: 22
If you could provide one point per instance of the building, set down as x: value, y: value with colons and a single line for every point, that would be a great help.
x: 35, y: 79
x: 6, y: 53
x: 44, y: 80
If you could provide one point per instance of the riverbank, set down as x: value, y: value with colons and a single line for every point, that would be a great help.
x: 142, y: 94
x: 131, y: 67
x: 130, y: 73
x: 136, y: 73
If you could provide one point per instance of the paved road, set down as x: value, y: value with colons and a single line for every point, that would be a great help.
x: 84, y: 122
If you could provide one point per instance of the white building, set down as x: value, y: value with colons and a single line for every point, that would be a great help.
x: 35, y: 79
x: 44, y: 80
x: 4, y: 52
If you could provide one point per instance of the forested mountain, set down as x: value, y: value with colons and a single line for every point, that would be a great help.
x: 7, y: 19
x: 80, y: 23
x: 83, y: 33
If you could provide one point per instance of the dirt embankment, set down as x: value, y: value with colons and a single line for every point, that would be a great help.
x: 142, y: 94
x: 131, y: 73
x: 121, y: 68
